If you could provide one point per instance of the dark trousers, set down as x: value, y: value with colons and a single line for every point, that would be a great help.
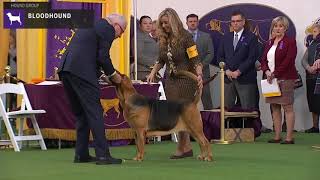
x: 247, y: 94
x: 206, y: 94
x: 85, y: 103
x: 206, y: 97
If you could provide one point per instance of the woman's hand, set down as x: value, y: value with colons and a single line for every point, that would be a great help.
x: 199, y: 75
x: 151, y: 77
x: 200, y: 82
x: 316, y: 64
x: 270, y: 76
x: 311, y: 70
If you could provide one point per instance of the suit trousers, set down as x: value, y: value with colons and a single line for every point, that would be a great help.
x: 206, y: 97
x: 247, y: 94
x: 206, y: 94
x: 85, y: 103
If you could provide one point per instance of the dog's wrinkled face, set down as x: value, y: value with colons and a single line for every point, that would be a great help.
x: 124, y: 87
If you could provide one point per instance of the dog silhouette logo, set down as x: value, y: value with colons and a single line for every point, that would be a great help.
x: 13, y: 18
x: 108, y: 104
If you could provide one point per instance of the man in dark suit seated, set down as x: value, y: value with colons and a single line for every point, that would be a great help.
x: 238, y: 50
x: 80, y: 69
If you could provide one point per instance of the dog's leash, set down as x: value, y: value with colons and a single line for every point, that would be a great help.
x: 207, y: 81
x: 194, y: 77
x: 191, y: 75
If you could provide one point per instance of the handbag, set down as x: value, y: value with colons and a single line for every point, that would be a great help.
x: 298, y: 82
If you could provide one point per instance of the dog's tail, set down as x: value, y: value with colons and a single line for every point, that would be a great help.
x: 192, y: 76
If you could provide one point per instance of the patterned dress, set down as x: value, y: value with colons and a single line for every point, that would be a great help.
x: 310, y: 56
x: 182, y: 56
x: 317, y: 87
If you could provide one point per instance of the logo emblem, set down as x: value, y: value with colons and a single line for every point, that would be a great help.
x: 13, y: 18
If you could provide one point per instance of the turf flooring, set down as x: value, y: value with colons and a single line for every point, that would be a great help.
x: 256, y: 161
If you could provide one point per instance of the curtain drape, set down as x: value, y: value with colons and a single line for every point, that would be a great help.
x: 31, y: 52
x: 4, y: 42
x: 120, y: 51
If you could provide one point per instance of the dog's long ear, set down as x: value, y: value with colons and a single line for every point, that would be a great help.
x: 119, y: 92
x: 119, y: 72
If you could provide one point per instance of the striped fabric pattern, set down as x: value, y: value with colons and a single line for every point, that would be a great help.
x: 317, y: 87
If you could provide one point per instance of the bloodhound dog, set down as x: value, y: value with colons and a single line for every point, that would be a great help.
x: 150, y: 117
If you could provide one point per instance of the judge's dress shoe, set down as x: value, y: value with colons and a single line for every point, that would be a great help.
x: 108, y: 160
x: 184, y: 155
x: 79, y: 159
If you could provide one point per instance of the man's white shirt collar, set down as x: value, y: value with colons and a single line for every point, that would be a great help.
x: 195, y: 31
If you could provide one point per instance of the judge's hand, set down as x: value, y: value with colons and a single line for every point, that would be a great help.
x: 116, y: 78
x: 105, y: 79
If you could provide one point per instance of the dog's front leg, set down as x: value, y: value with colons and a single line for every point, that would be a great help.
x: 140, y: 141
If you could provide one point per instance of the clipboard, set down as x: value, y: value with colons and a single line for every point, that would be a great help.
x: 270, y: 90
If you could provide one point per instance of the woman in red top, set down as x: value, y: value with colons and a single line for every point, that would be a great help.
x: 278, y: 61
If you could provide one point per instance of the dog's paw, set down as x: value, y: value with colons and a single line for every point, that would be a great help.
x: 201, y: 158
x: 208, y: 158
x: 138, y: 159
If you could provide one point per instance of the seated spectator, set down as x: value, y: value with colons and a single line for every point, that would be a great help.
x: 147, y: 48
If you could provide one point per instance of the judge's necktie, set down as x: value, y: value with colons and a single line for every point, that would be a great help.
x: 235, y: 41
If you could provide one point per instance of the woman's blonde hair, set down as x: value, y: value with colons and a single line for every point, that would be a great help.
x: 177, y: 30
x: 316, y: 26
x: 280, y: 19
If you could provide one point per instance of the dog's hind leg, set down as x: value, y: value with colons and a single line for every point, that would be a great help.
x: 204, y: 144
x: 195, y: 128
x: 140, y: 142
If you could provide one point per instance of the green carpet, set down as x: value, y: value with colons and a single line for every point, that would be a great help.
x: 256, y: 161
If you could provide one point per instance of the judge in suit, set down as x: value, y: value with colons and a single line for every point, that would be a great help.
x: 205, y: 50
x: 238, y: 50
x: 80, y: 69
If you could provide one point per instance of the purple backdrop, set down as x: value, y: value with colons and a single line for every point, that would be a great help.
x: 57, y: 38
x: 217, y: 22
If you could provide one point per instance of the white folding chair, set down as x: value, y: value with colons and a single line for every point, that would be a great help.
x: 26, y: 111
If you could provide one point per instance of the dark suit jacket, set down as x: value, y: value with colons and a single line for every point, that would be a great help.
x: 285, y: 57
x: 205, y: 49
x: 242, y: 58
x: 88, y: 52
